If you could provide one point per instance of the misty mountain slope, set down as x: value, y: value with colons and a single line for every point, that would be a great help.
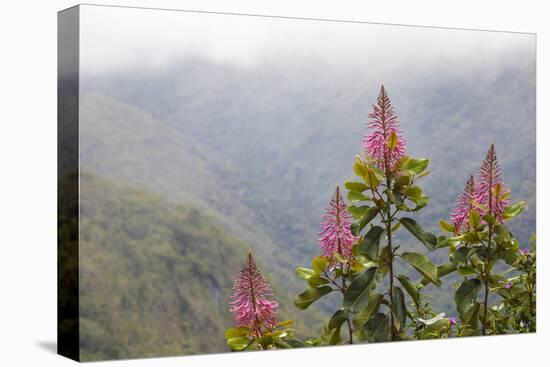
x: 121, y: 142
x: 294, y: 130
x: 291, y: 134
x: 155, y: 277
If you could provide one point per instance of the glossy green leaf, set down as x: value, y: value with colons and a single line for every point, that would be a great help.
x: 356, y: 295
x: 317, y: 280
x: 235, y: 332
x: 402, y: 181
x: 470, y: 318
x: 426, y: 237
x: 356, y: 196
x: 473, y: 218
x: 399, y: 309
x: 356, y: 186
x: 305, y: 299
x: 466, y: 294
x: 304, y: 273
x: 357, y: 211
x: 366, y: 313
x: 410, y: 288
x: 447, y: 227
x: 359, y: 166
x: 424, y: 265
x: 370, y: 179
x: 358, y: 225
x: 415, y: 166
x: 319, y: 264
x: 377, y: 328
x: 369, y: 245
x: 239, y: 343
x: 414, y: 193
x: 514, y: 210
x: 337, y: 319
x: 383, y: 260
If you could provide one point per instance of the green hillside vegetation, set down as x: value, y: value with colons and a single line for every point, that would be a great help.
x: 155, y: 277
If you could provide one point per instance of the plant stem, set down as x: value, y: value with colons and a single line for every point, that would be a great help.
x: 487, y: 269
x: 350, y: 331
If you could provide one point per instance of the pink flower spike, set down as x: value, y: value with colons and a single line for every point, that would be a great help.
x: 491, y: 192
x: 251, y: 303
x: 335, y: 235
x: 464, y: 204
x: 383, y: 123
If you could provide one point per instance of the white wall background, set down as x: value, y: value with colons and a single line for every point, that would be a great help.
x: 28, y: 182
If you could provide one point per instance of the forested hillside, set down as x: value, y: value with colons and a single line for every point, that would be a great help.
x: 155, y: 277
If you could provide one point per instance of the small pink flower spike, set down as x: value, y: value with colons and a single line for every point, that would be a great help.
x: 335, y: 235
x: 383, y: 123
x: 464, y: 204
x: 251, y: 303
x: 490, y: 185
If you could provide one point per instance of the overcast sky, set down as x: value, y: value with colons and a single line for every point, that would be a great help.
x: 122, y: 39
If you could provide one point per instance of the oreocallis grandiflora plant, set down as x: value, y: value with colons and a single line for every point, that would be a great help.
x: 359, y: 251
x: 255, y: 314
x: 358, y: 245
x: 481, y: 241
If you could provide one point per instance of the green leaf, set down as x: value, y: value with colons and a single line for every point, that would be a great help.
x: 359, y: 166
x: 319, y: 264
x: 473, y: 218
x: 447, y: 227
x: 423, y: 264
x: 470, y: 318
x: 305, y: 299
x: 414, y: 193
x: 369, y: 245
x: 239, y: 343
x: 402, y: 181
x: 415, y: 166
x: 383, y: 260
x: 356, y: 196
x: 316, y: 280
x: 502, y: 234
x: 235, y: 332
x: 392, y: 140
x: 410, y: 288
x: 426, y: 237
x: 337, y: 319
x: 355, y: 186
x: 334, y: 336
x: 377, y: 328
x: 357, y: 211
x: 284, y: 323
x: 356, y: 295
x: 442, y: 270
x: 489, y: 219
x: 366, y: 313
x: 514, y: 210
x: 399, y: 309
x: 304, y: 273
x: 466, y: 294
x: 370, y: 179
x: 358, y: 225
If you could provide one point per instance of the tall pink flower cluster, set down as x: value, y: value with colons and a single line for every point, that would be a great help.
x: 491, y: 193
x: 464, y: 204
x: 335, y: 235
x: 383, y: 123
x: 251, y: 303
x: 487, y: 194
